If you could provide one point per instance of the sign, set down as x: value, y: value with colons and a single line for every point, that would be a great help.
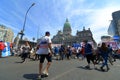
x: 6, y: 51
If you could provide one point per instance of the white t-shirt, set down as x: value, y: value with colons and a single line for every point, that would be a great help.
x: 43, y: 45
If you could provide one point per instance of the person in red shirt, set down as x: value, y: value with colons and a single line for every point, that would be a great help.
x: 2, y: 46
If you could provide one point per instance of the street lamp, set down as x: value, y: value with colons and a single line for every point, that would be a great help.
x: 22, y: 31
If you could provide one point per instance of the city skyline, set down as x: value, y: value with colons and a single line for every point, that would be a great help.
x: 50, y: 15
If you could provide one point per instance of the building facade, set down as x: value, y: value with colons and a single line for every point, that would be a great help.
x: 106, y: 38
x: 6, y: 34
x: 65, y: 37
x: 114, y: 27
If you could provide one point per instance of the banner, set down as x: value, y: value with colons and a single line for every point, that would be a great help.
x: 6, y: 51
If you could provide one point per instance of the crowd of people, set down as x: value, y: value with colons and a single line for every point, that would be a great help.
x: 103, y: 53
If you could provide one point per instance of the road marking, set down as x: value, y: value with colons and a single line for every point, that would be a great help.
x: 62, y: 74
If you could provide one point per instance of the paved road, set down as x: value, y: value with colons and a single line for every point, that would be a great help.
x: 11, y: 69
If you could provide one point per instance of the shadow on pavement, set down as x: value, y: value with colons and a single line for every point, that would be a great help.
x: 82, y: 67
x: 98, y: 69
x: 19, y: 62
x: 31, y: 76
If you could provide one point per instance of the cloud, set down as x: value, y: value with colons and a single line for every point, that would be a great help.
x: 96, y: 18
x: 100, y: 21
x: 51, y: 15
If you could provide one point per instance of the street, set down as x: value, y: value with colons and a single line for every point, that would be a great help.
x: 12, y: 69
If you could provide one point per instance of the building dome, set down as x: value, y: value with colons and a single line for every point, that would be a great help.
x: 67, y: 24
x: 67, y: 28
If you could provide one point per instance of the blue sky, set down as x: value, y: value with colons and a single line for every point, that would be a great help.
x: 50, y: 15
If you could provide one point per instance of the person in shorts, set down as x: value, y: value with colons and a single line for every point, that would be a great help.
x: 45, y: 51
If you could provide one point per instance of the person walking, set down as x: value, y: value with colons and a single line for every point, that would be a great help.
x: 110, y: 56
x: 88, y: 53
x: 98, y: 57
x: 25, y: 51
x: 56, y: 52
x: 45, y: 51
x: 62, y: 52
x: 104, y: 50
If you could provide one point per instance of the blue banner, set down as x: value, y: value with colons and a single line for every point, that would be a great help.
x: 6, y: 51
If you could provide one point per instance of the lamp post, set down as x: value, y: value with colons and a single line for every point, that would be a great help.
x: 22, y: 31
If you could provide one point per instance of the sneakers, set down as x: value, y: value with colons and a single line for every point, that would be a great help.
x: 45, y: 74
x: 42, y: 76
x: 39, y: 77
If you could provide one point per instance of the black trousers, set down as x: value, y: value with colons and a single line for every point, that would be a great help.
x: 89, y: 58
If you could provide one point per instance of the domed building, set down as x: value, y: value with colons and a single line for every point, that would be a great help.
x: 67, y: 28
x: 67, y: 38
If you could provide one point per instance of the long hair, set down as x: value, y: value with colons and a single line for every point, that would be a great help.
x: 104, y: 47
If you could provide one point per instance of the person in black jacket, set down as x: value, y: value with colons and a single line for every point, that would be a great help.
x: 88, y: 51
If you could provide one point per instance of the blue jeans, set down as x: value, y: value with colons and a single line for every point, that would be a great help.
x: 105, y: 61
